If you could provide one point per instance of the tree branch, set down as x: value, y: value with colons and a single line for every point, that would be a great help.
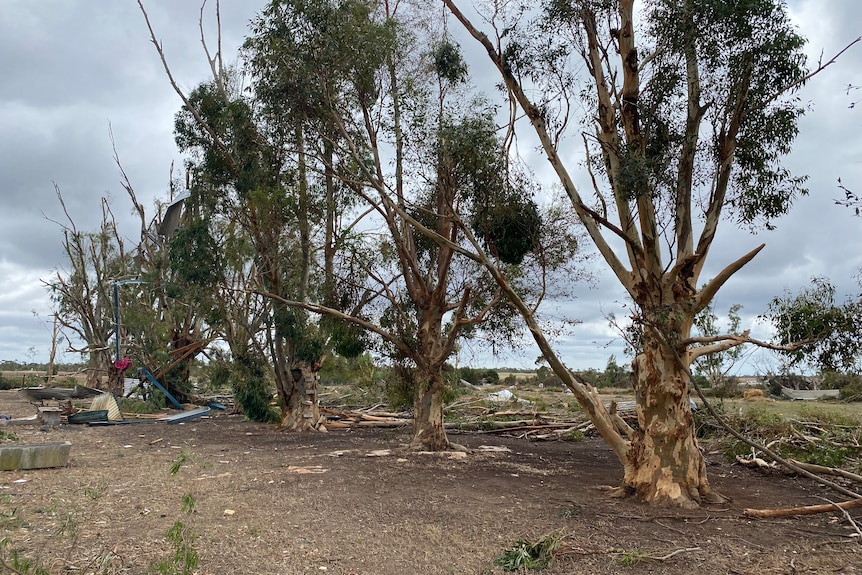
x: 820, y: 67
x: 539, y: 126
x: 712, y: 286
x: 192, y: 110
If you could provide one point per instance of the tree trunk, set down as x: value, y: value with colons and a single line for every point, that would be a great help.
x: 95, y: 368
x: 428, y: 432
x: 300, y: 408
x: 666, y: 465
x: 115, y: 380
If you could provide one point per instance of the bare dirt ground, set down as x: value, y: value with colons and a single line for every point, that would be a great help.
x: 275, y: 503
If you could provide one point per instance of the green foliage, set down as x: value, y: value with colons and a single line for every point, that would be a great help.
x: 297, y: 47
x: 7, y: 383
x: 194, y: 254
x: 449, y: 64
x: 615, y: 375
x: 748, y: 52
x: 11, y: 559
x: 477, y: 376
x: 575, y: 435
x: 182, y: 458
x: 400, y: 386
x: 181, y: 537
x: 7, y: 436
x: 630, y: 558
x: 525, y: 555
x: 346, y: 338
x: 470, y: 162
x: 358, y: 370
x: 152, y: 404
x: 307, y: 343
x: 252, y: 390
x: 852, y: 391
x: 830, y: 334
x: 509, y: 227
x: 818, y: 436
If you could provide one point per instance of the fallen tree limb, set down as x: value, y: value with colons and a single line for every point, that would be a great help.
x: 828, y: 470
x: 347, y: 424
x: 529, y: 427
x: 756, y: 462
x: 807, y: 510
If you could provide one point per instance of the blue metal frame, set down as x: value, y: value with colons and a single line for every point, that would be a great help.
x: 155, y: 382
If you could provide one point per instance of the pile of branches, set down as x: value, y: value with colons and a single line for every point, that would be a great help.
x: 467, y: 416
x: 816, y: 446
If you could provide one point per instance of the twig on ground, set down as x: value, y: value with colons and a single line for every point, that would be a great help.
x: 847, y: 516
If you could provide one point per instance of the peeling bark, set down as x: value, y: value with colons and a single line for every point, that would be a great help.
x: 428, y: 432
x: 666, y: 464
x: 300, y: 407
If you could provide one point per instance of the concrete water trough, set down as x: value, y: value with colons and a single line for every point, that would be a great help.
x: 34, y: 455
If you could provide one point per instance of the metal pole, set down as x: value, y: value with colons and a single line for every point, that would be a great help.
x: 117, y: 320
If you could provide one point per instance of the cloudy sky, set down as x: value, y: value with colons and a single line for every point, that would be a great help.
x: 74, y: 70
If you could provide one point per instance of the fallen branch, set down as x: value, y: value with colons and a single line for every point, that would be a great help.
x: 673, y: 553
x: 828, y: 470
x: 807, y: 510
x: 755, y: 462
x: 347, y: 424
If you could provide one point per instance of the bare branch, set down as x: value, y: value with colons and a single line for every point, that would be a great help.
x: 192, y: 110
x: 712, y: 286
x: 820, y: 67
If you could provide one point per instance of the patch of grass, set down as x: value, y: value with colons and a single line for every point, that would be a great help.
x: 525, y: 555
x: 827, y: 416
x: 9, y: 519
x: 630, y: 558
x: 7, y: 436
x: 12, y: 561
x: 181, y: 537
x: 576, y: 435
x: 95, y: 492
x: 568, y: 511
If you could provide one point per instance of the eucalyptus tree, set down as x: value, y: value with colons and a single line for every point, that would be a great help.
x: 253, y: 160
x: 830, y: 331
x: 688, y: 108
x: 382, y: 102
x: 82, y: 293
x: 249, y: 168
x: 165, y: 310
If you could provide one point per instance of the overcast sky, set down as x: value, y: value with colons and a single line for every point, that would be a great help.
x: 74, y: 69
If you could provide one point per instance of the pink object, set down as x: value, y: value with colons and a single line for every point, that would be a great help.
x: 123, y: 364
